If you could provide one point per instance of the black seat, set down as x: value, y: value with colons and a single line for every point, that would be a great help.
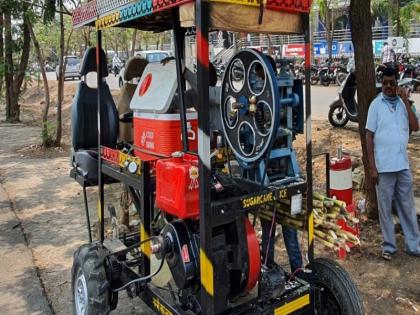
x: 84, y: 123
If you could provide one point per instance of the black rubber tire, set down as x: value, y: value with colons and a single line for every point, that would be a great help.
x: 331, y: 115
x: 322, y: 78
x: 89, y: 260
x: 339, y: 294
x: 120, y: 83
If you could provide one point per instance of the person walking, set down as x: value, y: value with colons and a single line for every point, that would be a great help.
x: 388, y: 56
x: 389, y: 123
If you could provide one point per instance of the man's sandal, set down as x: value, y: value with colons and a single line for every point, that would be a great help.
x: 386, y: 256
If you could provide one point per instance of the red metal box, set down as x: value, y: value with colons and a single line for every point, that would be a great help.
x: 177, y: 186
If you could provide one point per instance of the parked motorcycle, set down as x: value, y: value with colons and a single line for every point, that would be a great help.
x: 299, y: 71
x: 344, y: 107
x: 332, y: 72
x: 314, y: 75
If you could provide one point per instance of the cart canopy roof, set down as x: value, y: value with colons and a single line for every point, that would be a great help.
x: 278, y: 16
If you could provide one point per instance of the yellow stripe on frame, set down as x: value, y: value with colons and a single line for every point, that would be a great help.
x: 145, y: 247
x: 311, y: 228
x: 292, y: 306
x: 206, y: 273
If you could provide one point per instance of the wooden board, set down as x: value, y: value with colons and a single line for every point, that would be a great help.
x: 240, y: 18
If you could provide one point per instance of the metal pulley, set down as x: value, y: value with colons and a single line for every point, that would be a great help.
x: 250, y: 104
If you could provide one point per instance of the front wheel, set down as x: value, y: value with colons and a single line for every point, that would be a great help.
x: 88, y: 280
x: 337, y: 115
x: 335, y: 291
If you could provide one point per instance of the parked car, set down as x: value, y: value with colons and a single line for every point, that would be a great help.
x: 153, y: 55
x: 72, y: 68
x: 150, y: 55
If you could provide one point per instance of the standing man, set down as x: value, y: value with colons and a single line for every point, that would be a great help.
x: 389, y: 123
x: 388, y: 56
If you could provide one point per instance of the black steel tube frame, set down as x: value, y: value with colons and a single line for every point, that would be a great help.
x: 100, y: 176
x: 308, y: 125
x: 159, y: 303
x: 206, y: 264
x: 178, y: 44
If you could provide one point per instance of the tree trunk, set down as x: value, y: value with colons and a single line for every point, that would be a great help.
x: 133, y: 43
x: 1, y: 53
x: 328, y: 30
x: 60, y: 95
x: 8, y: 63
x: 391, y: 14
x: 46, y: 138
x: 398, y: 18
x: 20, y: 75
x: 360, y: 18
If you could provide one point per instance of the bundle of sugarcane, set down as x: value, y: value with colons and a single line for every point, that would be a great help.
x: 326, y: 213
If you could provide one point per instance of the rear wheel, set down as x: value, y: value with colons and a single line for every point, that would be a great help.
x: 89, y: 282
x: 337, y: 115
x: 335, y: 291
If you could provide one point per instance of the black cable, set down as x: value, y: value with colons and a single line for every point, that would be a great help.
x: 141, y: 278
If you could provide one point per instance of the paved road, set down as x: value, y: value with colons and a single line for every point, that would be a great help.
x: 20, y: 288
x: 322, y: 96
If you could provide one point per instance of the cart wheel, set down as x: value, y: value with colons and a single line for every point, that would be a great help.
x: 89, y: 280
x: 335, y: 291
x: 337, y: 115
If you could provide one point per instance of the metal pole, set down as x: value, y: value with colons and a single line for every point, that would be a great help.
x: 327, y: 175
x: 87, y: 214
x: 308, y: 125
x: 100, y: 177
x: 206, y: 264
x: 179, y: 42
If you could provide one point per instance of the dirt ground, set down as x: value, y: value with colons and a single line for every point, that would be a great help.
x: 50, y: 207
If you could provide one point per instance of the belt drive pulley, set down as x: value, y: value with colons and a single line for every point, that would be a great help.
x: 249, y: 105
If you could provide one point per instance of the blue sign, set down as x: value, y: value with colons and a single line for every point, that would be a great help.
x: 377, y: 46
x: 322, y: 48
x: 346, y: 47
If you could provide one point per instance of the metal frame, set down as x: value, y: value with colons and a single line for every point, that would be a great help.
x: 142, y: 188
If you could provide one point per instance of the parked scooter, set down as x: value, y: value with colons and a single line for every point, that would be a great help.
x: 332, y: 72
x: 344, y: 107
x: 314, y: 75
